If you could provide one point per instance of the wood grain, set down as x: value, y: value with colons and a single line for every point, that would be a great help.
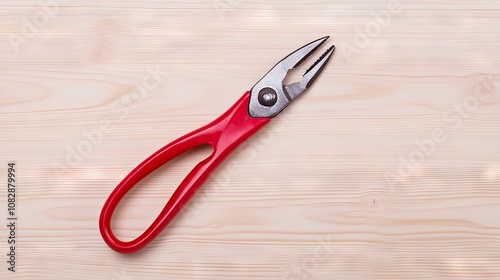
x: 315, y: 195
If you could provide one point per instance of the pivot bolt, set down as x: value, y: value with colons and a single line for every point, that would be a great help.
x: 268, y: 97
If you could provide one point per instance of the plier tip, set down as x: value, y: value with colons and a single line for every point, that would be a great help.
x: 269, y: 96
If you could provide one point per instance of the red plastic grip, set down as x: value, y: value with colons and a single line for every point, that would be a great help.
x: 224, y: 133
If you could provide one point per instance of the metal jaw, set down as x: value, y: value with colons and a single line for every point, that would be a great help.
x: 269, y: 96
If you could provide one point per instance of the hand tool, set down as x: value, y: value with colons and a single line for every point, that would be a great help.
x: 267, y: 98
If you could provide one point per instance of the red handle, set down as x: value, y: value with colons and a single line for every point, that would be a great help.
x: 224, y: 134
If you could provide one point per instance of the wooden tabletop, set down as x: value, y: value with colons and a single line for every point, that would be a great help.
x: 388, y: 168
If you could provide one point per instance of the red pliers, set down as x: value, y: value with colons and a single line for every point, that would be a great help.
x: 252, y: 111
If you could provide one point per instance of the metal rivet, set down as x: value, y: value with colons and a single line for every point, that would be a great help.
x: 268, y: 97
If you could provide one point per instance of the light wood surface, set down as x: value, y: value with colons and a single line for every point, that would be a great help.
x: 314, y: 195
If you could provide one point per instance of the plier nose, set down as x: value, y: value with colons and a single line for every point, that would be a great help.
x: 270, y: 95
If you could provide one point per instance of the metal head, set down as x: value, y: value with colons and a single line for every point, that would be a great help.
x: 270, y: 96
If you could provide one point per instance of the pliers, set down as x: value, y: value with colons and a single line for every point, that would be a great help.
x: 267, y: 98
